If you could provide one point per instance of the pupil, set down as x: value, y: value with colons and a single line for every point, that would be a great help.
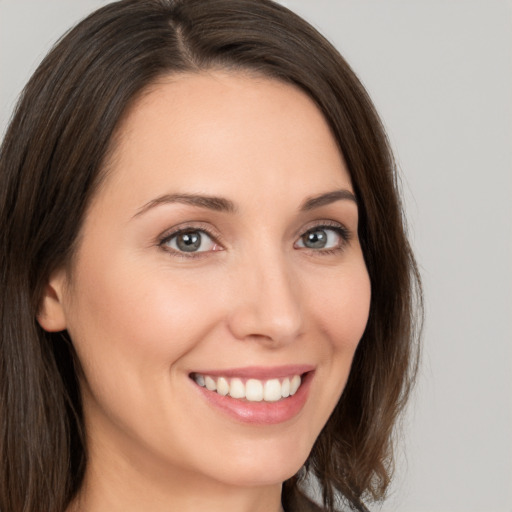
x: 316, y: 239
x: 189, y: 242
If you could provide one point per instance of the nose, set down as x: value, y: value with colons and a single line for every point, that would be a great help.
x: 266, y: 305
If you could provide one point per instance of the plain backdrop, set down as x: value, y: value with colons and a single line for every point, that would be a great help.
x: 440, y: 73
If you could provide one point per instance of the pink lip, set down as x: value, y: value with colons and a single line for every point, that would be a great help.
x: 260, y: 413
x: 260, y: 372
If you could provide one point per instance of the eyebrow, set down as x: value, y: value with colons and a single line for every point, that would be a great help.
x: 327, y: 198
x: 221, y: 204
x: 218, y: 204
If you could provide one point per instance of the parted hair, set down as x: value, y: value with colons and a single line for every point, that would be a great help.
x: 52, y: 160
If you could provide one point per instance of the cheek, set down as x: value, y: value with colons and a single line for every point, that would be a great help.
x: 130, y: 322
x: 342, y: 307
x: 339, y: 308
x: 132, y: 332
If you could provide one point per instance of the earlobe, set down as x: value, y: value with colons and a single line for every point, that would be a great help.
x: 51, y: 315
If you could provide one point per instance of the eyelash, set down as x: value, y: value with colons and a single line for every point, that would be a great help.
x: 341, y: 230
x: 166, y: 238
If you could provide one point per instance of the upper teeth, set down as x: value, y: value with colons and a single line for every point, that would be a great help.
x: 253, y: 390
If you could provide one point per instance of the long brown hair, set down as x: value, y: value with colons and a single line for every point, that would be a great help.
x: 52, y: 160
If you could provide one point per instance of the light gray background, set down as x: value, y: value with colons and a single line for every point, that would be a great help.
x: 440, y: 73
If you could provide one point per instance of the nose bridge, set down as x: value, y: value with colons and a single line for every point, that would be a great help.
x: 269, y: 304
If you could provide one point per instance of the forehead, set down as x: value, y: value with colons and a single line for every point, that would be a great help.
x: 216, y: 131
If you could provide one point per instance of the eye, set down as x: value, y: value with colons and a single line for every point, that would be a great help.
x: 190, y: 241
x: 323, y: 237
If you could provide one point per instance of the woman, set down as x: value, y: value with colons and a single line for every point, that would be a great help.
x: 207, y: 292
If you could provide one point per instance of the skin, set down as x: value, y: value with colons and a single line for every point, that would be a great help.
x: 142, y: 316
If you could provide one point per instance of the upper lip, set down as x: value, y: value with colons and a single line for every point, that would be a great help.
x: 260, y: 372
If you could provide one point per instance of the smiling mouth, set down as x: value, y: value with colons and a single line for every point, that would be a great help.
x: 251, y: 390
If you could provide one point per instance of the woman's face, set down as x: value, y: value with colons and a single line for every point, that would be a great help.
x: 221, y: 250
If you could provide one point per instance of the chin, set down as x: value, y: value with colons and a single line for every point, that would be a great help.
x: 262, y: 476
x: 263, y: 466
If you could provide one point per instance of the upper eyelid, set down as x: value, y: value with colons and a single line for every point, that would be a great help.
x: 341, y: 230
x: 172, y: 233
x: 193, y: 226
x: 326, y: 224
x: 217, y: 237
x: 206, y: 226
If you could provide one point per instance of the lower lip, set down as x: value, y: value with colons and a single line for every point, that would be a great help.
x: 260, y: 413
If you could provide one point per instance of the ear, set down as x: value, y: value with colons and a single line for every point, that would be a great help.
x: 51, y: 316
